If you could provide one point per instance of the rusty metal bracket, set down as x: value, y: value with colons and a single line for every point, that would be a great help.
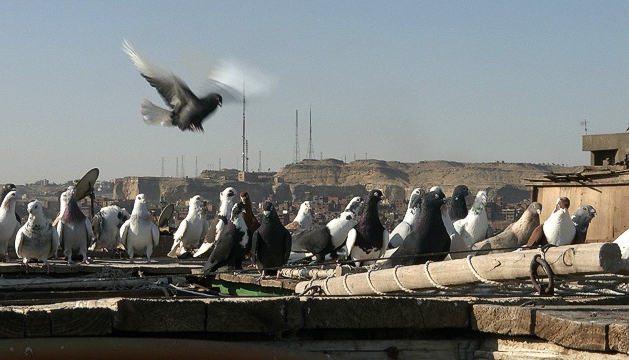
x: 543, y: 289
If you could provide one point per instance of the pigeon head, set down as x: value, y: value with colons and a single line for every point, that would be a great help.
x: 479, y: 202
x: 34, y: 207
x: 196, y: 203
x: 563, y: 204
x: 536, y: 208
x: 268, y: 208
x: 237, y: 210
x: 460, y: 192
x: 434, y: 199
x: 582, y: 217
x: 416, y: 198
x: 11, y: 196
x: 244, y: 197
x: 228, y: 193
x: 354, y: 204
x: 375, y: 196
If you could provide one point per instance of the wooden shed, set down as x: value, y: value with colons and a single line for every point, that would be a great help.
x: 606, y: 188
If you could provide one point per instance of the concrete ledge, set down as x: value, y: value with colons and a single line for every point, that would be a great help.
x: 506, y: 320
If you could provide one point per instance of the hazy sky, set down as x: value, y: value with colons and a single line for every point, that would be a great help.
x: 468, y: 81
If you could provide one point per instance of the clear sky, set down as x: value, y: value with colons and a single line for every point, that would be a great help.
x: 468, y: 81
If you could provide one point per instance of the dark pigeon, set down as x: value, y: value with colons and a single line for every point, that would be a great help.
x: 458, y: 206
x: 316, y: 240
x: 188, y: 111
x: 271, y: 243
x: 368, y: 240
x: 231, y: 245
x: 430, y: 237
x: 581, y: 219
x: 250, y: 219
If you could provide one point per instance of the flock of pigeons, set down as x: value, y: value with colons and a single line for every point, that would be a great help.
x: 434, y: 228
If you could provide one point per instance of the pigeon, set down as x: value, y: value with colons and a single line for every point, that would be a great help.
x: 8, y: 223
x: 458, y: 206
x: 323, y: 240
x: 37, y: 238
x: 447, y: 222
x: 271, y: 243
x: 623, y: 242
x: 250, y: 219
x: 188, y: 111
x: 429, y: 241
x: 106, y: 225
x: 5, y: 190
x: 303, y: 220
x: 139, y: 234
x: 74, y: 228
x: 369, y: 239
x: 557, y: 230
x: 219, y: 223
x: 404, y: 228
x: 232, y: 245
x: 516, y: 234
x: 191, y: 230
x: 581, y: 219
x: 471, y: 229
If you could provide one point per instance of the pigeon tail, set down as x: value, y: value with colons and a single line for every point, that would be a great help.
x: 155, y: 115
x: 203, y: 249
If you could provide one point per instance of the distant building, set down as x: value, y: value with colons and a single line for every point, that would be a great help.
x: 607, y: 149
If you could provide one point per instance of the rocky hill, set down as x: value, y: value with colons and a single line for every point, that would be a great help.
x: 297, y: 182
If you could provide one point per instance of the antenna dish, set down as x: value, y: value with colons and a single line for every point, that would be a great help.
x: 85, y: 186
x: 166, y: 214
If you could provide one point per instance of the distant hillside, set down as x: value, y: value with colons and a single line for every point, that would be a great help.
x: 398, y: 179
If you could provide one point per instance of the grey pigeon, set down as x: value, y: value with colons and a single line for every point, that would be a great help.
x: 74, y: 228
x: 271, y: 243
x: 458, y: 206
x: 106, y: 225
x: 5, y: 190
x: 429, y: 241
x: 139, y: 235
x: 188, y: 110
x: 37, y: 239
x: 231, y: 246
x: 581, y: 219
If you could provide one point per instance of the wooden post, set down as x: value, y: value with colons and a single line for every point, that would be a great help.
x: 564, y: 260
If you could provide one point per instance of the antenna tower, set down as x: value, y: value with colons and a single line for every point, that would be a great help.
x: 310, y: 148
x: 247, y: 155
x: 297, y: 156
x: 584, y: 123
x: 243, y: 128
x: 259, y: 160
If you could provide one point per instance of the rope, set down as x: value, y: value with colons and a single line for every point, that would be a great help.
x: 399, y: 284
x: 325, y: 286
x: 345, y: 285
x: 371, y: 284
x: 477, y: 275
x: 431, y: 279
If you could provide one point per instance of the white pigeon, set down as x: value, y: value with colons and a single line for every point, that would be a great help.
x: 191, y: 230
x: 8, y: 223
x: 623, y: 243
x: 219, y: 224
x: 404, y: 228
x: 471, y: 229
x: 559, y: 228
x: 303, y: 219
x: 37, y: 239
x: 139, y: 234
x: 106, y: 225
x: 74, y: 228
x: 341, y: 225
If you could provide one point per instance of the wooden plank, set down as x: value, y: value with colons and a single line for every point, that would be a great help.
x: 564, y: 260
x: 507, y: 320
x: 148, y: 315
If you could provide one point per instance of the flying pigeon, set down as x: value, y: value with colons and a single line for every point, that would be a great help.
x: 458, y: 206
x: 5, y: 190
x: 581, y: 219
x: 139, y: 235
x: 404, y: 228
x: 429, y: 241
x: 271, y: 243
x: 8, y: 223
x: 219, y: 223
x: 623, y: 242
x: 250, y: 219
x: 369, y: 239
x: 557, y: 230
x: 303, y: 219
x: 37, y: 239
x: 516, y: 234
x: 232, y: 245
x: 471, y: 229
x: 106, y: 225
x: 187, y: 110
x: 191, y: 230
x: 324, y: 240
x: 74, y: 228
